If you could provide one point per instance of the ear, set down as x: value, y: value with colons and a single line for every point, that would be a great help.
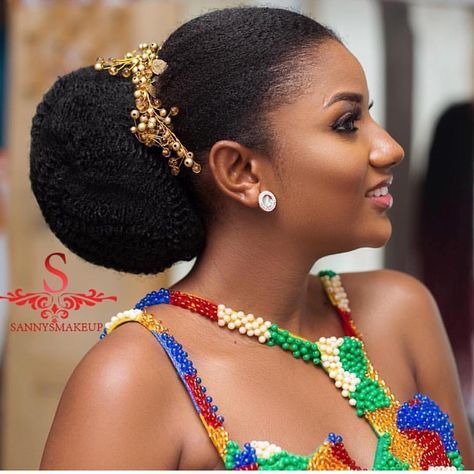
x: 238, y: 171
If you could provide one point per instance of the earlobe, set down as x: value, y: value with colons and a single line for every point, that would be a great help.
x: 236, y: 171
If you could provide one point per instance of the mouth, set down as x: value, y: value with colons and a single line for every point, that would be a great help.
x: 380, y: 196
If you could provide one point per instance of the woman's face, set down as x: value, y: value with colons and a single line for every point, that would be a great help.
x: 332, y: 153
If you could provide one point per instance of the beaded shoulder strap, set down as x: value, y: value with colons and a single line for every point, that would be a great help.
x: 202, y: 401
x: 336, y: 293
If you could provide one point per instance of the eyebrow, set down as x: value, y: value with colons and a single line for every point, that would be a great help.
x: 348, y: 96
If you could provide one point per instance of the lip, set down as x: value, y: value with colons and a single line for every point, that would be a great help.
x: 383, y: 202
x: 386, y: 182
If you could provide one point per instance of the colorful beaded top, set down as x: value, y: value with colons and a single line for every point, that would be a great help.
x: 414, y: 435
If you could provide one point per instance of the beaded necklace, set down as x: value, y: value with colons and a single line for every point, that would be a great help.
x: 412, y: 435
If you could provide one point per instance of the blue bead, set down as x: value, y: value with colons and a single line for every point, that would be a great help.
x: 203, y: 388
x: 198, y: 379
x: 209, y: 399
x: 214, y: 408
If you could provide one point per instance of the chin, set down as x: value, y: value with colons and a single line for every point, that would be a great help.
x: 378, y: 235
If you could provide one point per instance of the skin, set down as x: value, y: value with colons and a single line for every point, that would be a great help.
x: 120, y: 402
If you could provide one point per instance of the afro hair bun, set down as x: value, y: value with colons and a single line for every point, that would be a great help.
x: 107, y: 197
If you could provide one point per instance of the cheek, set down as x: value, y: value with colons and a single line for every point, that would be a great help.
x: 329, y: 188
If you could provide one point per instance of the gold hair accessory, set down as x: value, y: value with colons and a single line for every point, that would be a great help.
x: 152, y: 122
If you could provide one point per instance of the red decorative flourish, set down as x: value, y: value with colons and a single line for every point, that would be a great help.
x: 74, y: 301
x: 65, y: 301
x: 35, y: 300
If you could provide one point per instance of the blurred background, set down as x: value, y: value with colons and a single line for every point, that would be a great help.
x: 419, y: 61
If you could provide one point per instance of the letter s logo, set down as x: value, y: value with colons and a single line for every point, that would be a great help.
x: 56, y: 272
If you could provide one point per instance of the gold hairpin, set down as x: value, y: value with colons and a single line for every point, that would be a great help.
x: 152, y: 122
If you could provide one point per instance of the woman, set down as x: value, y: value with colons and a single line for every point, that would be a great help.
x: 267, y: 100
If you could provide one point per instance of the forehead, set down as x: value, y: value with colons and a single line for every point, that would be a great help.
x: 332, y: 69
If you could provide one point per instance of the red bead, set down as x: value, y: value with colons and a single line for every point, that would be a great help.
x: 203, y: 404
x: 434, y: 453
x: 194, y: 303
x: 339, y: 451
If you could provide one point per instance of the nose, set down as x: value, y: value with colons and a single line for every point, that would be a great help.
x: 386, y: 151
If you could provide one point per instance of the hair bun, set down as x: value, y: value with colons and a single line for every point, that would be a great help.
x: 107, y: 197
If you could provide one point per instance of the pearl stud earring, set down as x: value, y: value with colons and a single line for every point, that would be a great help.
x: 267, y: 201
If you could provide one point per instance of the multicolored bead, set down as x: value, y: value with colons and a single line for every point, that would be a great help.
x: 414, y: 435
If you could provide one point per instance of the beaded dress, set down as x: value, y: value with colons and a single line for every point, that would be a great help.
x: 414, y: 435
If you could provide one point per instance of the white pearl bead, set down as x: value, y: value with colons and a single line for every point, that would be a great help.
x: 262, y: 339
x: 231, y: 326
x: 353, y: 402
x: 242, y: 330
x: 221, y: 322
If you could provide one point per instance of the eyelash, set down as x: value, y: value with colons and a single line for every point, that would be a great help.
x: 346, y: 119
x: 350, y: 118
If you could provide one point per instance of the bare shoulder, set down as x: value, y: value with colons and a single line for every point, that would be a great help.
x: 115, y: 406
x: 395, y: 293
x: 406, y: 308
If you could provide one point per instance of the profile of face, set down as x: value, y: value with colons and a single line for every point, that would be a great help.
x: 332, y: 152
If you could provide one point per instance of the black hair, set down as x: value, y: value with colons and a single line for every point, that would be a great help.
x: 111, y: 199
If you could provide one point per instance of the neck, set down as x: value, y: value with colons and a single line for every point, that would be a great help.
x: 260, y: 275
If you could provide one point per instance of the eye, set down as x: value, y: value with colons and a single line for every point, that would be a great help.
x: 346, y: 123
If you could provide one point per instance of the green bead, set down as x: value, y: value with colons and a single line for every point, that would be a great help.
x: 306, y: 356
x: 285, y: 346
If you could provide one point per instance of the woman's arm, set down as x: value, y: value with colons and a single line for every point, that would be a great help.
x: 423, y: 331
x: 115, y: 409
